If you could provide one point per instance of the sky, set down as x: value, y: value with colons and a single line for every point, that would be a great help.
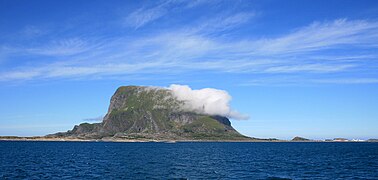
x: 295, y: 67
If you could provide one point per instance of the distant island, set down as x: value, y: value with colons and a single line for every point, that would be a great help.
x: 142, y: 113
x: 297, y: 138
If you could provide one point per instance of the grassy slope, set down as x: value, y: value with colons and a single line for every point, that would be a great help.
x: 147, y: 110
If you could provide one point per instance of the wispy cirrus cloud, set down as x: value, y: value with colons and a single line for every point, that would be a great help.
x: 187, y: 49
x: 144, y: 16
x: 53, y: 48
x: 224, y: 22
x: 321, y: 36
x: 194, y: 3
x: 63, y: 47
x: 319, y: 68
x: 298, y: 80
x: 347, y: 81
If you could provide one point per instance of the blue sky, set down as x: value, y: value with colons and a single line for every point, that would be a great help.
x: 297, y: 68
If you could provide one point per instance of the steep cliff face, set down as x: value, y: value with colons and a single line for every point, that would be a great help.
x: 138, y: 112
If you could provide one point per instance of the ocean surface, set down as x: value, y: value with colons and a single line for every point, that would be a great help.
x: 189, y: 160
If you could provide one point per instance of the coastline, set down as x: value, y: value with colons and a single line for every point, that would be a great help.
x: 49, y: 139
x: 122, y: 140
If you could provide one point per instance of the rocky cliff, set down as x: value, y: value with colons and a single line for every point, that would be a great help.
x: 139, y: 112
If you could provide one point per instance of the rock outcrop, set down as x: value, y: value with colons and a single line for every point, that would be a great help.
x: 139, y: 112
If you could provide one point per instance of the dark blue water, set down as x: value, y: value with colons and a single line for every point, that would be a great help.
x: 102, y: 160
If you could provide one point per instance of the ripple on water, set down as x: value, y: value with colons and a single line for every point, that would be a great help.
x: 102, y: 160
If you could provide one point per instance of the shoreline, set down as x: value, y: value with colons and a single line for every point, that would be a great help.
x: 123, y: 140
x: 44, y: 139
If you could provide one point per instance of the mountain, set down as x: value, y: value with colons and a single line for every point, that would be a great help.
x: 149, y: 113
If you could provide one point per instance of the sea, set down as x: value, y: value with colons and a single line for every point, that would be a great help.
x: 187, y: 160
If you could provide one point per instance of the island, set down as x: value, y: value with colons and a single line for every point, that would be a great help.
x: 145, y: 114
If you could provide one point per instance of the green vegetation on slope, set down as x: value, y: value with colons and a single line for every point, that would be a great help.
x: 137, y: 112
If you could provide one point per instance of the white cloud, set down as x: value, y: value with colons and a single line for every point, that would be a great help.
x: 222, y: 23
x: 298, y: 80
x: 206, y: 101
x: 69, y: 71
x: 143, y: 16
x: 319, y: 68
x: 62, y: 47
x: 183, y: 51
x: 348, y: 81
x: 19, y: 75
x: 195, y: 3
x: 320, y: 36
x: 146, y: 15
